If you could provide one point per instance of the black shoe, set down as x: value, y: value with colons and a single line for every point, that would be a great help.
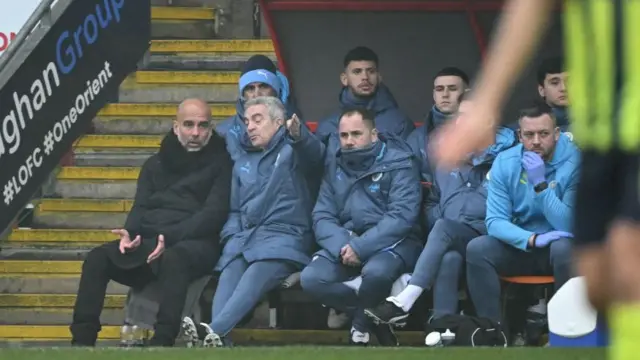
x: 385, y: 335
x: 387, y: 313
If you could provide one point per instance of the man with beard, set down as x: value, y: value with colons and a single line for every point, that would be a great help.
x: 362, y: 87
x: 530, y: 202
x: 365, y: 222
x: 171, y: 233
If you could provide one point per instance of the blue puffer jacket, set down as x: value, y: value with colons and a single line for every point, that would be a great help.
x: 370, y: 199
x: 418, y: 138
x: 461, y: 194
x: 389, y: 119
x: 271, y: 206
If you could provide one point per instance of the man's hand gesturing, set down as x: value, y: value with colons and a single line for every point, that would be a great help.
x: 126, y: 244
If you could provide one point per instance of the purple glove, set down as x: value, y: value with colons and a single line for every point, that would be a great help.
x: 534, y: 165
x: 543, y: 240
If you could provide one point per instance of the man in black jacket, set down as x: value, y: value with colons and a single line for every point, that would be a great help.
x: 172, y: 232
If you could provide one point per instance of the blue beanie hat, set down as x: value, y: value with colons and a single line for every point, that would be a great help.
x: 260, y: 76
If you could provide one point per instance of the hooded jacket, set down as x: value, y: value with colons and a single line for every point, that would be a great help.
x: 389, y: 119
x: 515, y: 211
x: 461, y: 194
x: 370, y: 199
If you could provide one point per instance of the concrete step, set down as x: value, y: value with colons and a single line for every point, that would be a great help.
x: 60, y: 236
x: 240, y: 336
x: 173, y: 22
x: 115, y: 150
x: 53, y: 316
x: 150, y: 93
x: 212, y: 46
x: 94, y: 182
x: 53, y: 301
x: 48, y: 284
x: 148, y: 119
x: 45, y: 252
x: 92, y: 188
x: 138, y: 125
x: 181, y: 13
x: 82, y: 205
x: 218, y: 110
x: 94, y: 142
x: 200, y: 61
x: 192, y: 3
x: 183, y: 29
x: 186, y: 77
x: 40, y: 267
x: 78, y: 220
x: 175, y: 86
x: 111, y: 157
x: 98, y: 173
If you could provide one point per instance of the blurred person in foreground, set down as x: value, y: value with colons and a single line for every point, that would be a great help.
x: 602, y: 52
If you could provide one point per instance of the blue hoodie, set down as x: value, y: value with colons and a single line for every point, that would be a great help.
x: 562, y: 118
x: 389, y: 119
x: 435, y: 119
x: 417, y: 140
x: 370, y: 199
x: 515, y: 211
x: 461, y: 194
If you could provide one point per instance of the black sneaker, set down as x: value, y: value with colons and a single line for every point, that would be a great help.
x: 387, y: 313
x: 385, y: 335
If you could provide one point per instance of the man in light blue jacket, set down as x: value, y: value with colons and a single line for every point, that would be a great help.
x: 268, y: 234
x: 532, y: 189
x: 366, y: 222
x: 456, y: 214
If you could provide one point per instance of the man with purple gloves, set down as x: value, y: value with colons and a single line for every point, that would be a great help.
x: 531, y: 195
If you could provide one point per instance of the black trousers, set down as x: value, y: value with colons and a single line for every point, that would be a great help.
x: 175, y: 270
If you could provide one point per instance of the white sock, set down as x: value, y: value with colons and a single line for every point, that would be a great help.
x: 407, y: 297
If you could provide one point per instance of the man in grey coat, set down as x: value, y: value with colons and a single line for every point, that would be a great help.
x: 366, y: 222
x: 268, y: 235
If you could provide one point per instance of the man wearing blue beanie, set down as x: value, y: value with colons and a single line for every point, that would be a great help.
x: 259, y: 77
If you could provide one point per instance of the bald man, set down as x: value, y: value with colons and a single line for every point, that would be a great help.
x: 171, y: 234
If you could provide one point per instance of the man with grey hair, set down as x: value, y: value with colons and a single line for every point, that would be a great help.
x: 268, y: 235
x: 172, y: 231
